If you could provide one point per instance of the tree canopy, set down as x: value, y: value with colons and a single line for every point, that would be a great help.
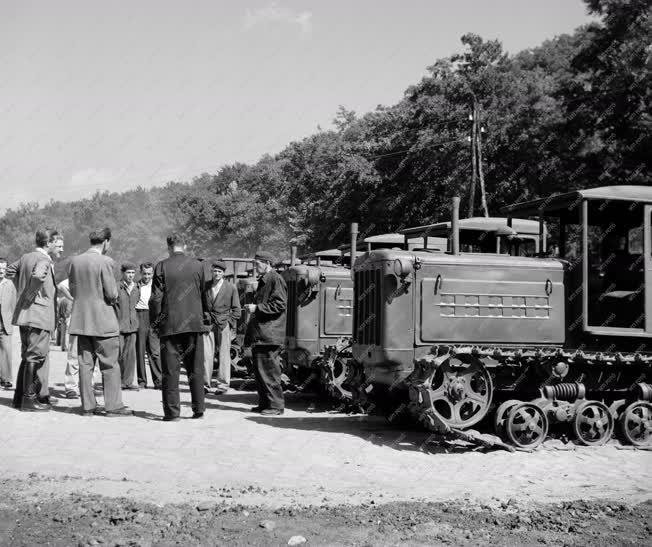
x: 574, y: 112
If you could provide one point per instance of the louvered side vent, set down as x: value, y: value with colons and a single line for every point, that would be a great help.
x: 292, y: 310
x: 368, y: 307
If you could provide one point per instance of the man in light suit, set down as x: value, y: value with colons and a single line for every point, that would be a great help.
x: 95, y: 324
x: 177, y: 310
x: 35, y: 315
x: 223, y: 306
x: 7, y: 306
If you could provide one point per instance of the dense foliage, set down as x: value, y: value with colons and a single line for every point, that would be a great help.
x: 573, y: 112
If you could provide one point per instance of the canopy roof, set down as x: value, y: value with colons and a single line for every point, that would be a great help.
x: 479, y: 224
x: 570, y: 200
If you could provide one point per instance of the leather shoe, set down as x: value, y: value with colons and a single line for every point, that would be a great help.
x: 256, y: 409
x: 95, y: 412
x: 48, y: 400
x: 118, y: 412
x: 171, y: 419
x: 131, y: 388
x: 272, y: 412
x: 72, y: 394
x: 197, y: 415
x: 33, y: 405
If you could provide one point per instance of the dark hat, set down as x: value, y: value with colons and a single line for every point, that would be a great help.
x: 127, y: 266
x: 265, y: 256
x: 219, y: 264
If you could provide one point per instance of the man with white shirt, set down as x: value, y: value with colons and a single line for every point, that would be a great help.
x: 7, y: 306
x: 147, y: 341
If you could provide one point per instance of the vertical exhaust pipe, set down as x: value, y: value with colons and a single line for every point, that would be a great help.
x: 293, y: 255
x: 455, y: 226
x: 354, y: 244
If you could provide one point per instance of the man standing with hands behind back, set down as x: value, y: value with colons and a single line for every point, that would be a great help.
x: 95, y: 323
x: 177, y: 309
x: 266, y: 335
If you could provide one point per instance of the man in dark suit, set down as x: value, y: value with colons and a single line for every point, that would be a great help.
x: 95, y: 323
x: 222, y: 303
x: 266, y: 334
x: 35, y: 315
x: 177, y: 310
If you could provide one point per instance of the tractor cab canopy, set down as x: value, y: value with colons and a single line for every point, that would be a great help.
x: 605, y: 235
x: 494, y: 235
x: 392, y: 241
x: 325, y: 257
x: 238, y: 267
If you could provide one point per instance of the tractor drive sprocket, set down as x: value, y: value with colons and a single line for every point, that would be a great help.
x: 335, y: 367
x: 449, y: 395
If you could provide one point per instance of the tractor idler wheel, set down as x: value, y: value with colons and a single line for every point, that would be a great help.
x: 593, y: 424
x: 635, y: 424
x: 500, y: 418
x: 526, y: 425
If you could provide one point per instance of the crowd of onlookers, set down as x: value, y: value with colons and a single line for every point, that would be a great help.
x: 113, y: 331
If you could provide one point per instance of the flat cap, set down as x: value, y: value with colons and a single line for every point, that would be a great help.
x: 219, y: 264
x: 265, y: 256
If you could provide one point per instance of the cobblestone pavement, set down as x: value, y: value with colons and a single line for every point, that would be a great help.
x: 307, y: 456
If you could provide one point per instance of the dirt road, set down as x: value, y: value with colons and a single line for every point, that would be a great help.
x: 309, y: 456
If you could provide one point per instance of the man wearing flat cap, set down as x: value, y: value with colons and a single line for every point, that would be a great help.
x: 128, y: 296
x: 222, y: 304
x: 266, y: 334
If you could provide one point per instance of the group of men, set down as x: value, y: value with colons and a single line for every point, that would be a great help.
x: 174, y: 315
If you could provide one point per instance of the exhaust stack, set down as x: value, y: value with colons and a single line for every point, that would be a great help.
x: 293, y: 255
x: 455, y: 226
x: 354, y: 244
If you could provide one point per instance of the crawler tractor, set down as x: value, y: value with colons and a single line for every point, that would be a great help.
x: 532, y: 345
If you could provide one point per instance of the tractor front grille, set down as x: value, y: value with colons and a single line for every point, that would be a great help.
x: 367, y: 307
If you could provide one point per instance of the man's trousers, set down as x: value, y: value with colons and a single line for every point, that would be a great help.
x: 267, y: 368
x: 147, y: 342
x: 186, y: 348
x: 71, y: 376
x: 34, y: 349
x: 6, y: 374
x: 106, y: 350
x: 127, y: 358
x: 221, y: 339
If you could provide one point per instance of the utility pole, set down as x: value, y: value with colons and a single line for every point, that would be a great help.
x: 471, y: 208
x: 476, y: 160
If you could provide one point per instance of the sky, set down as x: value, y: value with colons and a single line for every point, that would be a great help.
x: 99, y: 95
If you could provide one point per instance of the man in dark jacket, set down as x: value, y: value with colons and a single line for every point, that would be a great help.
x: 266, y: 334
x: 177, y: 310
x: 128, y: 296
